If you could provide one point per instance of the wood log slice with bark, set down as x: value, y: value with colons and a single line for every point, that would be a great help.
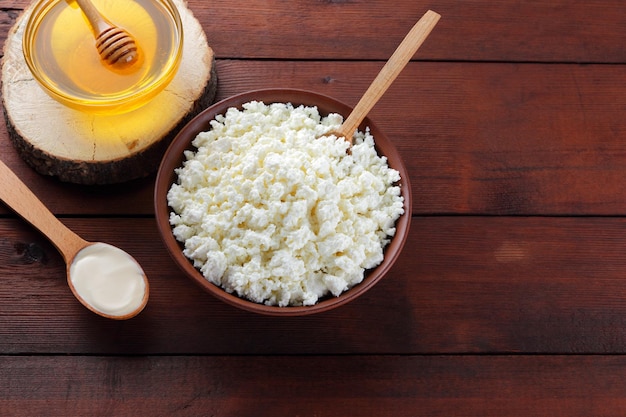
x: 85, y: 148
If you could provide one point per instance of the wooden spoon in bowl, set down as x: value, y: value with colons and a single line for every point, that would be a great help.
x: 402, y: 55
x: 105, y: 279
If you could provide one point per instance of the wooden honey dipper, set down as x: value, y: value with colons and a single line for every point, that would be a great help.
x: 115, y: 45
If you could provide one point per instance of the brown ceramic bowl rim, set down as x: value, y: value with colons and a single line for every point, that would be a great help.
x: 173, y: 159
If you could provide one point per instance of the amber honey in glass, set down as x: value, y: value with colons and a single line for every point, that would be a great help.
x: 64, y: 53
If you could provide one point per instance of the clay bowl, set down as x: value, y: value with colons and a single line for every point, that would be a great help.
x: 173, y: 159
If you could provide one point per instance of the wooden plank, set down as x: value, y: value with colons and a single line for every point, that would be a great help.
x: 536, y: 31
x: 531, y: 31
x: 506, y: 386
x: 476, y: 138
x: 484, y: 138
x: 481, y: 30
x: 462, y: 285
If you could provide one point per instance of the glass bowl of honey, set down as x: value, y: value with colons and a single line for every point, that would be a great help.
x: 60, y: 50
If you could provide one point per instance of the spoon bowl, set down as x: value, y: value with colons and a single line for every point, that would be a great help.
x: 105, y: 279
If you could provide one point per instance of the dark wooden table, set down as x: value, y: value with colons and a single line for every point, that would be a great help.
x: 508, y: 300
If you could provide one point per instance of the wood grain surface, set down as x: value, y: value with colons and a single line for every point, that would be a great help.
x: 474, y: 386
x: 509, y: 297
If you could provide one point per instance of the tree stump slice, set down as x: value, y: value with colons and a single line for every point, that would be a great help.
x: 90, y: 149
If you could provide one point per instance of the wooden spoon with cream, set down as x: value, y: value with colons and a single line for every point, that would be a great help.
x: 104, y: 278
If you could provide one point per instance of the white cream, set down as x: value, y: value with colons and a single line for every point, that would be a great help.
x: 108, y: 279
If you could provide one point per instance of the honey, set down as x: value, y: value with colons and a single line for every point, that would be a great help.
x: 62, y: 48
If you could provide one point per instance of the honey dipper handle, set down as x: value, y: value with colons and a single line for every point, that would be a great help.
x: 402, y: 55
x: 97, y: 22
x: 23, y: 201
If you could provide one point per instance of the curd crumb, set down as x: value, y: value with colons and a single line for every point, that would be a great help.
x: 271, y: 209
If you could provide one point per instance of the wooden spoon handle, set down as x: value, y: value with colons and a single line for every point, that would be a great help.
x: 402, y: 55
x: 21, y: 199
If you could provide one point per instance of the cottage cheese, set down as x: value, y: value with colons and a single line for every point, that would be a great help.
x: 272, y: 210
